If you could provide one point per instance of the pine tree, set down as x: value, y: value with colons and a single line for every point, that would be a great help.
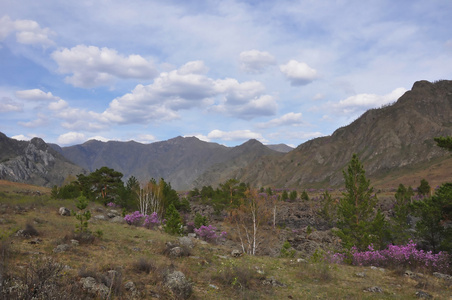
x: 173, y: 223
x: 356, y: 218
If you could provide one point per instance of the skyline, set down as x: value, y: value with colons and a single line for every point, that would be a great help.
x: 223, y: 71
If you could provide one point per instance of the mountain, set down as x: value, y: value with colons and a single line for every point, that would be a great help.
x: 280, y: 148
x: 396, y: 139
x: 180, y: 160
x: 33, y: 162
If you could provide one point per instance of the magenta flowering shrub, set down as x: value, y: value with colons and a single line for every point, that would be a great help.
x: 407, y: 256
x: 134, y: 219
x: 112, y: 205
x: 151, y: 221
x: 208, y: 233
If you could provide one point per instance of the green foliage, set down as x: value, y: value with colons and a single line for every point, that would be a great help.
x: 304, y: 196
x: 104, y: 185
x: 200, y: 220
x: 444, y: 142
x: 284, y: 195
x: 328, y: 209
x: 82, y: 215
x: 184, y: 206
x: 69, y: 191
x: 400, y: 226
x: 286, y: 251
x: 357, y: 223
x: 173, y: 223
x: 293, y: 195
x: 424, y: 188
x: 309, y: 230
x: 433, y: 211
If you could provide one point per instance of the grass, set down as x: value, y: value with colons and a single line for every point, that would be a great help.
x: 137, y: 255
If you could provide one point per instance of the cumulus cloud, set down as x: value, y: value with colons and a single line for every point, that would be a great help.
x: 27, y: 32
x: 298, y: 73
x: 71, y: 138
x: 255, y: 61
x: 21, y: 137
x: 236, y: 135
x: 40, y: 121
x: 362, y: 102
x: 289, y: 119
x: 189, y: 87
x: 146, y: 138
x: 91, y: 66
x: 36, y: 95
x: 8, y: 105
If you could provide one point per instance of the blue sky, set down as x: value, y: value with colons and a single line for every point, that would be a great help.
x: 223, y: 71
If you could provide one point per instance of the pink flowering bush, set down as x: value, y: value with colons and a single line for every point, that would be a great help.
x: 134, y: 219
x: 208, y: 233
x: 151, y: 221
x: 406, y: 256
x: 112, y: 205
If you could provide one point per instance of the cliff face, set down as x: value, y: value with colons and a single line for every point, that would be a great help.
x: 33, y: 162
x: 386, y: 140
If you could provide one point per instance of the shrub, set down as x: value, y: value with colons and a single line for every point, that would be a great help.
x: 200, y: 220
x: 83, y: 216
x: 134, y: 219
x: 237, y: 276
x: 173, y: 221
x: 30, y: 230
x: 151, y: 221
x: 285, y: 252
x: 208, y: 233
x: 396, y: 256
x: 144, y: 266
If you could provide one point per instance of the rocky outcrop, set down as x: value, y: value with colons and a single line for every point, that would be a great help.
x: 33, y: 162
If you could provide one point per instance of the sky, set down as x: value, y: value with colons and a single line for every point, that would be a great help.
x: 222, y: 71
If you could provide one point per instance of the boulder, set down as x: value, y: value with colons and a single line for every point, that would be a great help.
x: 99, y: 289
x: 61, y: 248
x: 64, y: 211
x: 236, y: 253
x: 178, y: 284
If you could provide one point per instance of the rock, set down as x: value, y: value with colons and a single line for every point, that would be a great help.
x: 373, y: 289
x: 236, y: 253
x: 175, y: 252
x: 117, y: 219
x: 130, y: 287
x: 21, y: 233
x: 100, y: 217
x: 273, y: 282
x: 192, y: 235
x: 178, y: 284
x: 422, y: 294
x: 75, y: 242
x: 360, y: 274
x: 61, y: 248
x: 301, y: 260
x: 99, y: 289
x: 213, y: 286
x: 410, y: 274
x: 186, y: 242
x: 64, y: 211
x: 442, y: 276
x: 35, y: 241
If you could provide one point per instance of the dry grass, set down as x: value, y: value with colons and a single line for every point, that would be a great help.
x: 136, y: 254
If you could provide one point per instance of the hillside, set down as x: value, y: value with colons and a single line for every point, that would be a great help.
x: 396, y: 139
x: 33, y: 162
x: 179, y: 160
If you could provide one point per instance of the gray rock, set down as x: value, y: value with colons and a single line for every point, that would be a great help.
x: 64, y: 211
x: 100, y: 217
x: 99, y: 289
x: 61, y: 248
x: 273, y: 282
x: 373, y: 289
x: 75, y: 242
x: 442, y: 276
x: 175, y: 252
x: 360, y: 274
x: 178, y: 284
x: 117, y: 219
x: 186, y: 242
x: 422, y: 294
x: 236, y: 253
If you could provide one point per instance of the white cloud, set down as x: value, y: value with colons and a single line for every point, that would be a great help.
x: 40, y: 121
x: 27, y: 31
x: 8, y: 105
x: 363, y: 102
x: 289, y: 119
x: 146, y: 138
x: 21, y: 137
x: 36, y: 95
x: 236, y: 135
x: 255, y: 61
x: 298, y: 73
x: 71, y: 138
x: 91, y: 66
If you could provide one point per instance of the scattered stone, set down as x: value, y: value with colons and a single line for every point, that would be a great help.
x: 100, y: 218
x: 75, y: 242
x: 61, y: 248
x: 112, y: 273
x: 192, y: 235
x: 410, y: 274
x: 178, y: 284
x: 373, y: 289
x: 21, y: 233
x: 186, y: 242
x: 175, y: 252
x: 130, y: 287
x: 301, y: 260
x: 35, y: 241
x: 213, y: 286
x: 442, y: 276
x: 99, y: 289
x: 236, y: 253
x: 117, y: 219
x: 379, y: 269
x: 360, y: 274
x: 273, y: 282
x: 422, y: 294
x: 136, y: 249
x: 64, y: 211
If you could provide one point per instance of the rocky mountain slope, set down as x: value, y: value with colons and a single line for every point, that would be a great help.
x: 33, y: 162
x: 393, y: 138
x: 179, y: 160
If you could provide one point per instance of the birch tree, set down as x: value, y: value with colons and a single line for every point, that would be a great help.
x: 150, y: 199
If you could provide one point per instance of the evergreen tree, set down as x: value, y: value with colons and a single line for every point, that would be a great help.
x: 444, y: 142
x: 304, y: 196
x: 400, y: 226
x: 284, y: 196
x: 356, y: 218
x: 173, y: 223
x: 293, y: 195
x: 424, y: 188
